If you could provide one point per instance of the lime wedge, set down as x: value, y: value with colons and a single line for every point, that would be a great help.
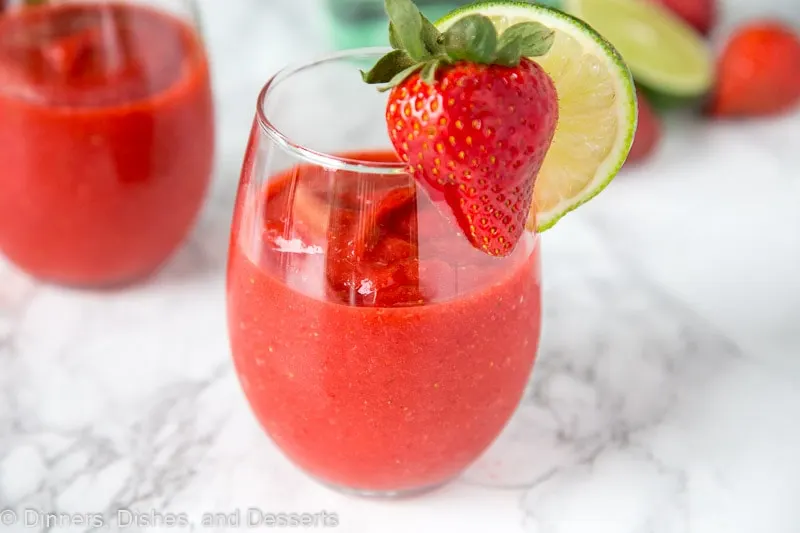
x: 597, y: 107
x: 664, y: 53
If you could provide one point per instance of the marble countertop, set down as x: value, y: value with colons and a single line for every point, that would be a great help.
x: 665, y: 400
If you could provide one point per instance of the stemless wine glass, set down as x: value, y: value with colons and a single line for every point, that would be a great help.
x: 106, y: 136
x: 378, y: 348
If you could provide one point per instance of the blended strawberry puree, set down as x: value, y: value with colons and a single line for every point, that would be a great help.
x: 384, y: 355
x: 106, y: 139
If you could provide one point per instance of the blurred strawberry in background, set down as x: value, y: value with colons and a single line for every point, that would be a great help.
x: 758, y: 72
x: 648, y: 132
x: 699, y: 14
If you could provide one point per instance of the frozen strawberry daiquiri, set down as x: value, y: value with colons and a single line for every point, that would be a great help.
x: 106, y: 138
x: 384, y: 304
x: 379, y: 349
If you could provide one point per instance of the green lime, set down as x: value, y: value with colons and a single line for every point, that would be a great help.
x: 597, y: 107
x: 665, y: 54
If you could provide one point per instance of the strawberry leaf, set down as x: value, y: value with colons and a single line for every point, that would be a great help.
x: 401, y: 77
x: 407, y: 21
x: 473, y: 38
x: 526, y: 39
x: 509, y: 54
x: 394, y: 40
x: 387, y: 67
x: 430, y: 36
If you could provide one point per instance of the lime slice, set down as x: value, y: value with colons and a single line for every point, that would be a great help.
x: 664, y: 53
x: 597, y: 108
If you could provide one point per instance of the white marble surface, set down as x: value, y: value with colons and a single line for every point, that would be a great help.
x: 666, y: 398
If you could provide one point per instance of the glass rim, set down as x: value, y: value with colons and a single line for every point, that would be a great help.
x: 305, y: 153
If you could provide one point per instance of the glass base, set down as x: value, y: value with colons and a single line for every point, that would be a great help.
x: 383, y: 494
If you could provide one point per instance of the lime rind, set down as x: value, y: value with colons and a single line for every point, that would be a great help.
x: 625, y: 91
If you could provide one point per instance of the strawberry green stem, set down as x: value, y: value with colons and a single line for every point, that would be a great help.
x: 418, y: 45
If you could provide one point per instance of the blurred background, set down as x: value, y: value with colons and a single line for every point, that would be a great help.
x: 250, y: 39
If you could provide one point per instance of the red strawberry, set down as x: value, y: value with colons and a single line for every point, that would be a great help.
x: 398, y: 202
x: 472, y: 116
x: 759, y: 72
x: 700, y: 14
x: 648, y: 132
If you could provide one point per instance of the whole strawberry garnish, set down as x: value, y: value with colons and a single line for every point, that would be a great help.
x: 758, y: 72
x: 471, y: 115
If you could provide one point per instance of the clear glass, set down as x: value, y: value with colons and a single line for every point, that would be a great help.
x: 379, y: 349
x: 106, y: 136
